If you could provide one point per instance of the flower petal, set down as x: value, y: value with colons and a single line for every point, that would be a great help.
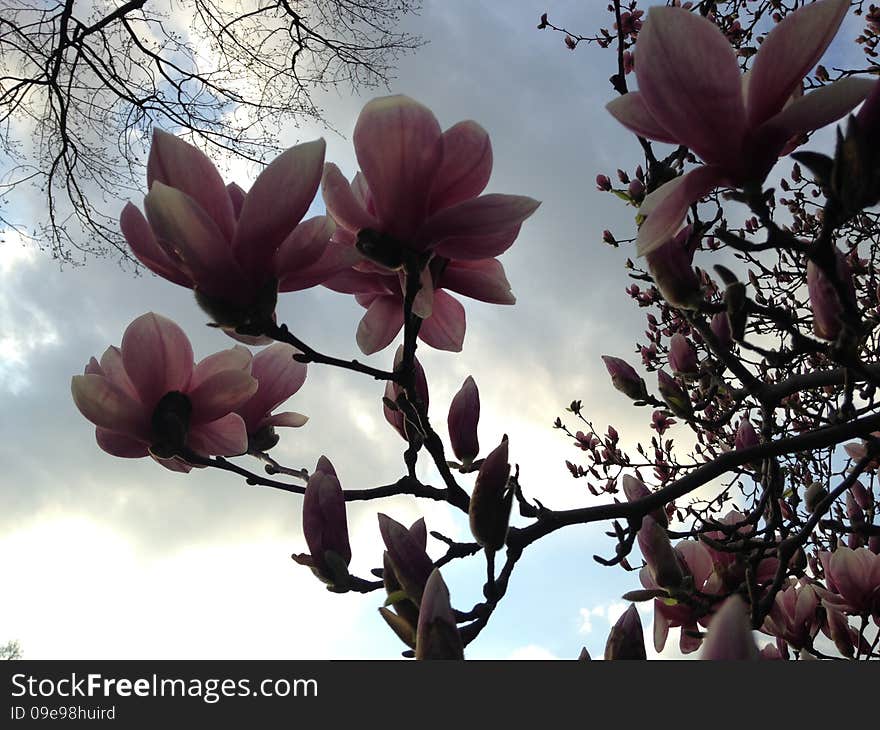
x: 220, y: 394
x: 399, y: 147
x: 112, y: 367
x: 488, y: 215
x: 359, y: 282
x: 304, y: 245
x: 424, y: 299
x: 818, y: 108
x: 477, y: 247
x: 277, y: 201
x: 120, y: 444
x: 146, y: 248
x: 380, y: 324
x: 157, y: 356
x: 690, y: 81
x: 336, y: 259
x: 235, y: 358
x: 107, y: 406
x: 184, y: 167
x: 182, y: 225
x: 667, y: 206
x: 630, y: 110
x: 445, y: 328
x: 236, y: 196
x: 788, y: 53
x: 466, y: 167
x: 224, y: 437
x: 287, y: 418
x: 341, y: 202
x: 279, y: 377
x: 484, y: 280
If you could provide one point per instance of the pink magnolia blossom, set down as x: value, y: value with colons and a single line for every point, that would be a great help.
x: 417, y: 201
x: 698, y: 570
x: 730, y: 571
x: 794, y: 617
x: 148, y: 398
x: 236, y: 250
x: 853, y: 581
x: 279, y: 377
x: 691, y: 93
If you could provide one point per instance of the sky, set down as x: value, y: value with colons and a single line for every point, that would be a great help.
x: 111, y: 558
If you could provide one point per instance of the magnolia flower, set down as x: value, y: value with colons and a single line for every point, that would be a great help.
x: 853, y: 581
x: 279, y: 377
x: 794, y: 617
x: 730, y: 571
x: 236, y: 250
x: 148, y: 398
x: 325, y: 526
x: 691, y: 93
x: 417, y: 202
x: 697, y: 570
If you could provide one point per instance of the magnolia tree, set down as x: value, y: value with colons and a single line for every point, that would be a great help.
x: 766, y: 369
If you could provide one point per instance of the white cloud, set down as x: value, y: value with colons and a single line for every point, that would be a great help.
x: 532, y: 652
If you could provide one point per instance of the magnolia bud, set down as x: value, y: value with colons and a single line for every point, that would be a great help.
x: 406, y: 553
x: 746, y: 436
x: 815, y: 493
x: 682, y: 355
x: 671, y: 266
x: 324, y: 525
x: 635, y: 489
x: 839, y: 632
x: 677, y: 400
x: 827, y: 309
x: 437, y: 636
x: 861, y: 495
x: 730, y: 636
x: 659, y: 554
x: 624, y: 378
x: 720, y: 326
x: 491, y: 500
x: 393, y: 391
x: 464, y: 415
x: 626, y: 640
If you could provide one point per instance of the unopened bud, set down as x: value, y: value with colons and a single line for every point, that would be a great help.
x: 492, y: 500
